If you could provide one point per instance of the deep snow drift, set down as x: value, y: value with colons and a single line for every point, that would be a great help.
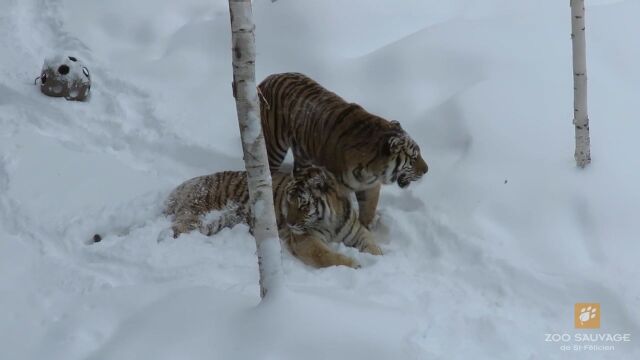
x: 483, y: 257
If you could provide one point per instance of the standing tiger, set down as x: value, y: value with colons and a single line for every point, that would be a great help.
x: 312, y: 209
x: 362, y: 150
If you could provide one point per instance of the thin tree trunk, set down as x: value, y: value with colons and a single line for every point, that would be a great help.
x: 265, y: 229
x: 581, y: 117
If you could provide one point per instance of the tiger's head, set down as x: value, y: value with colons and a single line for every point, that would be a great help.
x: 405, y: 163
x: 314, y: 200
x: 397, y: 160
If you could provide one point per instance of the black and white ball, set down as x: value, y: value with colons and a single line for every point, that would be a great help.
x: 65, y: 76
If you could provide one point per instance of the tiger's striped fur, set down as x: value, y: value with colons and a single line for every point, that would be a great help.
x: 362, y: 150
x: 312, y: 209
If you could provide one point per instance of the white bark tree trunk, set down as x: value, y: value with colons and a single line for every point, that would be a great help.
x: 581, y: 118
x: 265, y: 229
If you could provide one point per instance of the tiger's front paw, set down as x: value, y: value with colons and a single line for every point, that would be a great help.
x: 354, y: 265
x: 372, y: 249
x: 347, y: 261
x: 327, y: 259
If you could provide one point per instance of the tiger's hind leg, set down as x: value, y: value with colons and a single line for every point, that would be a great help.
x: 226, y: 218
x: 313, y: 251
x: 276, y: 142
x: 276, y: 155
x: 367, y: 204
x: 300, y: 160
x: 184, y: 223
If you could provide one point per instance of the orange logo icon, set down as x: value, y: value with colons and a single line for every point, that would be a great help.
x: 587, y: 316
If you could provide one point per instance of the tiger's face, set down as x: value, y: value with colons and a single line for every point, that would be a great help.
x: 312, y: 200
x: 404, y: 163
x: 397, y: 161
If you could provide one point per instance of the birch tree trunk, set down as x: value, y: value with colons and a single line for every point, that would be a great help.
x: 264, y: 226
x: 581, y: 118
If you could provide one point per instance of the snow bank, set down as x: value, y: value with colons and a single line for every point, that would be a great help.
x: 482, y: 258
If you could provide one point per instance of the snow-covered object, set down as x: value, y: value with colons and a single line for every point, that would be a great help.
x: 66, y: 76
x: 474, y: 268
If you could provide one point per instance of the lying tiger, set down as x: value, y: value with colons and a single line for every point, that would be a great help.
x: 362, y: 150
x: 311, y: 208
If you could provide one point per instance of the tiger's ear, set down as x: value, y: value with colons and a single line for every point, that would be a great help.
x: 395, y: 124
x: 320, y: 179
x: 289, y: 190
x: 394, y: 144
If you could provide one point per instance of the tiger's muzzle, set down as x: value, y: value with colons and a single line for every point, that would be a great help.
x: 413, y: 174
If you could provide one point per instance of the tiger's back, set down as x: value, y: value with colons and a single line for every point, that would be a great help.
x: 322, y: 127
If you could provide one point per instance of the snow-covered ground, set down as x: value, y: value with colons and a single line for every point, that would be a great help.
x: 486, y: 255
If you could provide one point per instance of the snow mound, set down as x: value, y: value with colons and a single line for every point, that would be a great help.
x: 483, y: 257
